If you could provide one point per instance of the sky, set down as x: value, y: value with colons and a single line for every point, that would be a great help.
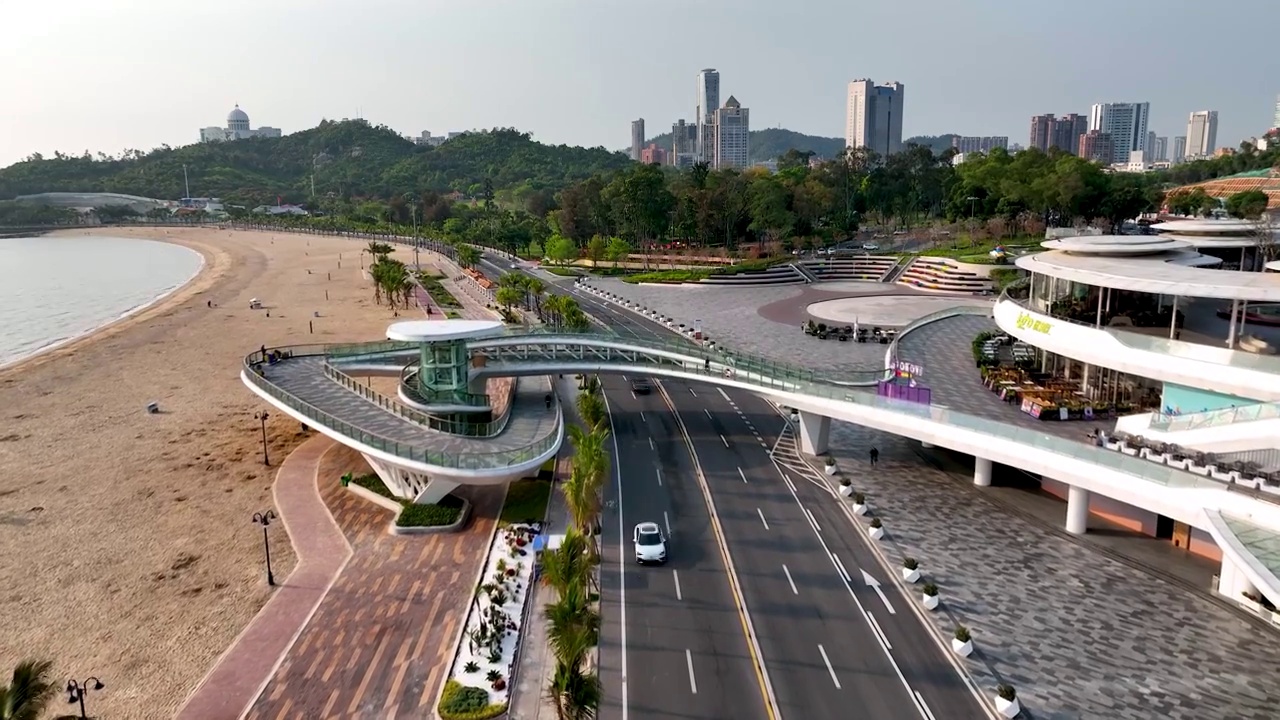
x: 106, y: 75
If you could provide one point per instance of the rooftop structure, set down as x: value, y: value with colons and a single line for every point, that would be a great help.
x: 237, y: 129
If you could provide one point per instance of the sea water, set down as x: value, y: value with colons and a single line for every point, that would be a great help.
x: 55, y: 289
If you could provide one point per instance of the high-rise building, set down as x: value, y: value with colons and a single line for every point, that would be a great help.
x: 732, y: 135
x: 684, y: 144
x: 1179, y: 149
x: 874, y: 116
x: 1276, y: 119
x: 653, y: 155
x: 1126, y: 123
x: 1063, y: 132
x: 1158, y: 148
x: 637, y: 138
x: 708, y: 99
x: 1202, y: 133
x: 970, y: 143
x: 1098, y: 147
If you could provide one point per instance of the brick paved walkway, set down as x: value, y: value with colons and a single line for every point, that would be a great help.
x: 381, y: 641
x: 322, y: 550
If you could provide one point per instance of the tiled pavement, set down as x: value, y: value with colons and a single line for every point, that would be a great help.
x: 304, y: 378
x: 322, y: 551
x: 381, y: 641
x: 1079, y: 634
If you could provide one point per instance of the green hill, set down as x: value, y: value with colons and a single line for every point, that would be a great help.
x: 773, y: 142
x: 350, y: 158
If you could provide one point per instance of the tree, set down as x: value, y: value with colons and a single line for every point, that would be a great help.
x: 468, y: 256
x: 29, y: 691
x: 596, y: 248
x: 508, y: 296
x: 561, y: 250
x: 617, y: 249
x: 1249, y: 204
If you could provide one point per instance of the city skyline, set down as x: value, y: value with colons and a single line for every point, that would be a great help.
x: 508, y: 83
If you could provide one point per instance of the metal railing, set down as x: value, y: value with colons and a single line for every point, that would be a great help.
x: 409, y: 387
x: 1214, y: 418
x: 892, y: 355
x: 478, y: 460
x: 491, y: 428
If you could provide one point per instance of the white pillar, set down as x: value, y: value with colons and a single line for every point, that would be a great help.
x: 1077, y: 510
x: 1231, y: 334
x: 1173, y: 321
x: 814, y: 431
x: 981, y: 472
x: 434, y: 491
x: 1098, y: 319
x: 1232, y: 583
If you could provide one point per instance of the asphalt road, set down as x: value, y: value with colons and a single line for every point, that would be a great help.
x: 686, y: 653
x: 830, y: 643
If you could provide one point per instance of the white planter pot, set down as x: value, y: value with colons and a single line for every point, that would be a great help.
x: 963, y: 649
x: 830, y: 470
x: 910, y: 575
x: 930, y: 602
x: 1008, y: 708
x: 877, y: 533
x: 860, y: 509
x: 846, y: 490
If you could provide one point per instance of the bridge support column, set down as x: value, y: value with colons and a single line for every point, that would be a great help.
x: 1077, y: 510
x: 434, y: 491
x: 408, y: 485
x: 981, y: 472
x: 814, y: 431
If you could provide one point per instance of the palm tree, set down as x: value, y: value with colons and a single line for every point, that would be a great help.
x: 28, y: 692
x: 468, y: 256
x: 568, y: 565
x: 582, y: 496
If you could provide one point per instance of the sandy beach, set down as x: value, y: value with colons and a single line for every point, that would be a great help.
x: 129, y: 550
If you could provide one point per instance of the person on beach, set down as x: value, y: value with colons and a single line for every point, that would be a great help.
x: 875, y: 456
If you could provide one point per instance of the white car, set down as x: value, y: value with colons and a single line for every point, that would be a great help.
x: 651, y: 545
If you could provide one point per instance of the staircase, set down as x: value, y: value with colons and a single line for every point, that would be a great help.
x: 809, y: 277
x: 895, y: 272
x: 942, y: 275
x: 867, y: 268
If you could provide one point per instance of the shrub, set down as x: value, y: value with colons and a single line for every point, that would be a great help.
x: 846, y: 482
x: 963, y: 634
x: 930, y: 589
x: 493, y: 676
x: 471, y: 666
x: 859, y: 499
x: 910, y: 563
x: 830, y: 461
x: 464, y: 702
x: 372, y: 483
x: 875, y: 523
x: 445, y: 512
x: 1006, y: 692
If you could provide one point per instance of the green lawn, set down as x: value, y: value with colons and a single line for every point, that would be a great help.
x: 526, y: 501
x: 562, y: 271
x: 374, y: 483
x: 442, y: 297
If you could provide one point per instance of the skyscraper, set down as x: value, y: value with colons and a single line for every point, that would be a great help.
x: 1276, y: 119
x: 1096, y: 146
x: 637, y: 138
x: 733, y: 135
x: 1179, y: 149
x: 1158, y: 151
x: 708, y: 99
x: 1041, y: 132
x: 1126, y: 123
x: 684, y: 144
x: 874, y: 117
x: 1202, y: 133
x: 1048, y: 132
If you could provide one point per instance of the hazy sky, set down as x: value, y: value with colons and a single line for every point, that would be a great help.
x: 105, y: 75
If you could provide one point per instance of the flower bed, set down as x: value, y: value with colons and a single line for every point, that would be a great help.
x: 490, y: 641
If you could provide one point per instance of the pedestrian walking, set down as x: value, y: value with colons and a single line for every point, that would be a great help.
x: 548, y: 399
x: 875, y: 456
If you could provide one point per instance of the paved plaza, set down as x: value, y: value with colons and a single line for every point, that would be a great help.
x: 888, y: 310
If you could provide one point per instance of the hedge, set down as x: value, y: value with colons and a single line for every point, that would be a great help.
x: 445, y: 512
x: 464, y: 702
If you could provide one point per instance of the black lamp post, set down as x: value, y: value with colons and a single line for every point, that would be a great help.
x: 264, y: 519
x: 262, y: 417
x: 77, y: 690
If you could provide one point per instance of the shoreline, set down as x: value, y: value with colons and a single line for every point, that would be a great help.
x: 141, y: 521
x: 15, y: 362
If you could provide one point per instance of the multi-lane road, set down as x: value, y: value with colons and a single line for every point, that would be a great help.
x: 772, y: 604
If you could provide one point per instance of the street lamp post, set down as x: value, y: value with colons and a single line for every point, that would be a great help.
x: 264, y: 519
x: 77, y: 690
x: 262, y: 418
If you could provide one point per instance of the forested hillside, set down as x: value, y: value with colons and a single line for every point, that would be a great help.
x: 350, y: 158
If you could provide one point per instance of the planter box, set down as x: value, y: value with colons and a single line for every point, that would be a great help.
x: 930, y: 602
x: 877, y: 533
x: 910, y: 575
x: 1250, y: 605
x: 860, y: 509
x: 963, y: 649
x: 1008, y: 708
x: 846, y: 490
x: 829, y: 469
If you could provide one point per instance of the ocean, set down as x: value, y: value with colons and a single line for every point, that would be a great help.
x: 55, y: 289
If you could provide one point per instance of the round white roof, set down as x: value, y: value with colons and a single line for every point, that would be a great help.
x: 1115, y: 245
x: 1225, y: 226
x: 433, y: 330
x: 237, y: 115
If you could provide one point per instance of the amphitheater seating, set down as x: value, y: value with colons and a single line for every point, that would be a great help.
x: 871, y: 268
x: 942, y: 275
x: 777, y: 275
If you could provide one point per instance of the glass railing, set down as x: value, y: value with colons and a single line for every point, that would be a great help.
x: 1214, y: 418
x: 1172, y: 348
x: 977, y: 310
x: 480, y: 460
x: 488, y: 429
x: 409, y: 386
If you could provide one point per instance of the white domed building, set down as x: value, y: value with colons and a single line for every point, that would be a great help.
x: 237, y: 128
